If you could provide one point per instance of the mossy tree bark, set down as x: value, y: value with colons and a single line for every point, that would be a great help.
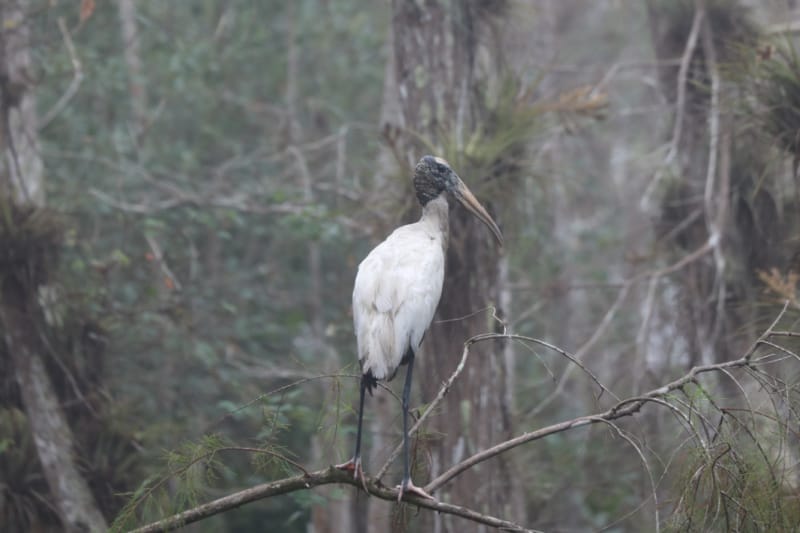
x: 443, y: 61
x: 29, y: 237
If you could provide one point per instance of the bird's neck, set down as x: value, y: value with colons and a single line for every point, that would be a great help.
x: 435, y: 214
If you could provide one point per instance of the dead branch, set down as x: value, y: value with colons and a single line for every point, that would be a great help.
x: 715, y: 214
x: 433, y: 405
x: 680, y: 105
x: 627, y: 407
x: 74, y: 84
x: 584, y: 349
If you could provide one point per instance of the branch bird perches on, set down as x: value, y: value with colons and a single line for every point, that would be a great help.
x: 621, y: 409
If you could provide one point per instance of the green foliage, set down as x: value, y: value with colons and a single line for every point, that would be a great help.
x: 23, y: 488
x: 208, y: 179
x: 188, y: 242
x: 192, y: 471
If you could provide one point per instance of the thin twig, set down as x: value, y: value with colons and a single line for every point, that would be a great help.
x: 639, y: 451
x: 74, y: 84
x: 581, y: 352
x: 573, y: 358
x: 715, y: 212
x: 433, y: 405
x: 785, y: 334
x: 161, y: 262
x: 770, y: 331
x: 680, y: 106
x: 624, y: 408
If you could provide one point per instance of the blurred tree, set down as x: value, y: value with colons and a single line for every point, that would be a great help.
x: 133, y: 61
x: 716, y: 202
x: 222, y: 173
x: 436, y: 97
x: 29, y: 238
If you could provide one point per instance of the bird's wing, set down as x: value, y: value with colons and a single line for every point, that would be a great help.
x: 395, y: 295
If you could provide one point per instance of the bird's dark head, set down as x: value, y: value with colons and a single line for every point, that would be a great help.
x: 433, y: 176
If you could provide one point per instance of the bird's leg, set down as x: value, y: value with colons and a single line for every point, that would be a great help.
x: 354, y: 464
x: 407, y: 486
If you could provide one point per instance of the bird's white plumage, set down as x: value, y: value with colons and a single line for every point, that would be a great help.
x: 397, y: 290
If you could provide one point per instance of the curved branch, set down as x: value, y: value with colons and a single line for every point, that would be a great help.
x: 624, y: 408
x: 443, y: 390
x: 433, y: 405
x: 327, y: 476
x: 374, y: 487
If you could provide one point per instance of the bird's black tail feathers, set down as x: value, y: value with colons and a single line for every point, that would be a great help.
x: 369, y: 381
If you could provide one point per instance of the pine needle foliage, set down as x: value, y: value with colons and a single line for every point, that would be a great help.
x: 730, y: 487
x: 775, y: 91
x: 743, y: 476
x: 195, y: 468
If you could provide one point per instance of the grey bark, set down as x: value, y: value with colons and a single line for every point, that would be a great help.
x: 52, y: 435
x: 709, y: 320
x: 382, y: 414
x: 21, y: 184
x: 133, y: 61
x: 437, y: 51
x: 22, y: 172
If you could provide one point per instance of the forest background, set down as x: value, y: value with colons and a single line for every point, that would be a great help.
x: 187, y: 189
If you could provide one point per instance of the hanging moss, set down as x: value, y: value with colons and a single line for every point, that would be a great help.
x: 30, y: 239
x: 732, y: 27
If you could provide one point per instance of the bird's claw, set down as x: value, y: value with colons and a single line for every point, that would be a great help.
x: 354, y: 466
x: 408, y: 487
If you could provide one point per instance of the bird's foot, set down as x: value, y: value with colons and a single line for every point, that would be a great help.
x: 354, y: 466
x: 408, y: 487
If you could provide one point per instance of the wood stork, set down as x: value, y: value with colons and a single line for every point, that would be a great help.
x: 397, y: 290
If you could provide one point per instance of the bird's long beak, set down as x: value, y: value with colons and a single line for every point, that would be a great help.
x: 468, y: 200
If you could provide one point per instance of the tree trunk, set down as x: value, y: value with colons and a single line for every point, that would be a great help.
x: 438, y: 87
x: 381, y: 413
x: 24, y: 274
x: 22, y: 172
x: 338, y: 512
x: 52, y: 436
x: 699, y: 142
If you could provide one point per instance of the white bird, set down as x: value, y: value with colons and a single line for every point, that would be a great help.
x: 397, y: 290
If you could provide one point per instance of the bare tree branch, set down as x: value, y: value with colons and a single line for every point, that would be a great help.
x: 74, y: 85
x: 680, y: 106
x: 584, y: 349
x: 373, y: 486
x: 715, y: 200
x: 327, y: 476
x: 624, y: 408
x: 626, y: 437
